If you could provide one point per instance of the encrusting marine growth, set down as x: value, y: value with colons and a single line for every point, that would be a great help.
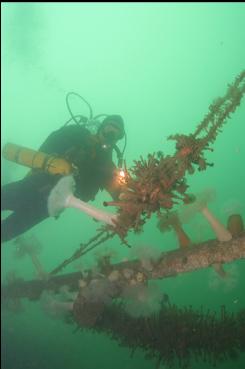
x: 156, y: 184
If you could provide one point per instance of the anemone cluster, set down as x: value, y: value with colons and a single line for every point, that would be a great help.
x: 158, y: 183
x: 151, y: 184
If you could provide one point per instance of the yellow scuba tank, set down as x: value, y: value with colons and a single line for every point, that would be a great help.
x: 36, y: 159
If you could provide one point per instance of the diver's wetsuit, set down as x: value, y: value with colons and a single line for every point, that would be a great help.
x: 27, y: 198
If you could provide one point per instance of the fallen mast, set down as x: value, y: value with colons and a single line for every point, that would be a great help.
x: 169, y: 264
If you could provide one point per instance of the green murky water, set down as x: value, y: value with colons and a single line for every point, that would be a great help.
x: 158, y: 65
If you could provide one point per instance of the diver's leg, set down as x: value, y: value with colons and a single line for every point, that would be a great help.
x: 11, y: 195
x: 29, y: 190
x: 28, y: 199
x: 20, y: 222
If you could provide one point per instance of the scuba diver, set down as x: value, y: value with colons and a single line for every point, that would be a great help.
x: 91, y: 158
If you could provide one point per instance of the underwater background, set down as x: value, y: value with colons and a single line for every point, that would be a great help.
x: 160, y: 66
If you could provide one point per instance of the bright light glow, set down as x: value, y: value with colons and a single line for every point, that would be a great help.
x: 122, y: 173
x: 121, y: 176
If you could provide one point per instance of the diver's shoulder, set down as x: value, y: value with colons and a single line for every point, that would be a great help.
x: 75, y: 129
